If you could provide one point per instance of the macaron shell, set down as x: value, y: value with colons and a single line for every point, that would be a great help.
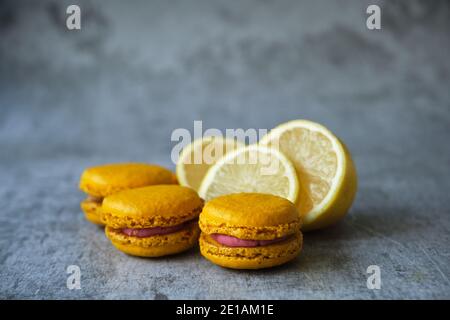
x: 250, y: 210
x: 153, y: 206
x: 101, y: 181
x: 92, y: 212
x: 250, y: 258
x: 155, y: 246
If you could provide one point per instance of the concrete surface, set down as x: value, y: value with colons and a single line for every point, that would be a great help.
x: 115, y: 91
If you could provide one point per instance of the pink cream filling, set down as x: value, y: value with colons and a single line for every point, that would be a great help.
x: 230, y: 241
x: 155, y: 231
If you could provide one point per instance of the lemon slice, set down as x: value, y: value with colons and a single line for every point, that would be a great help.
x: 196, y: 158
x: 251, y: 169
x: 325, y: 170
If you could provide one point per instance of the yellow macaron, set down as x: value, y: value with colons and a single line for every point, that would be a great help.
x: 101, y: 181
x: 153, y: 221
x: 250, y: 231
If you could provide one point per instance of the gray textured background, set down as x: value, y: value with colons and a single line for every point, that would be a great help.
x: 115, y: 91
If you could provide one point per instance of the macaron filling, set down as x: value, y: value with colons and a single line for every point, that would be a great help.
x: 154, y: 231
x: 230, y: 241
x: 98, y: 200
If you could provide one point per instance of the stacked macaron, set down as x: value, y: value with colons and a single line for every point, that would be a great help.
x: 101, y: 181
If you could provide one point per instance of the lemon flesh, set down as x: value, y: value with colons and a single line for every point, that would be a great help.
x: 251, y: 169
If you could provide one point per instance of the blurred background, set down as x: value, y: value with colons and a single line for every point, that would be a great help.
x: 137, y: 70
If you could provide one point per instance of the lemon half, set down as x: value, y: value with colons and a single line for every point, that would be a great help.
x: 196, y: 158
x: 326, y: 173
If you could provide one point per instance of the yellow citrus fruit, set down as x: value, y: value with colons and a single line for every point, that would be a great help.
x: 196, y: 158
x: 325, y: 169
x: 251, y: 169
